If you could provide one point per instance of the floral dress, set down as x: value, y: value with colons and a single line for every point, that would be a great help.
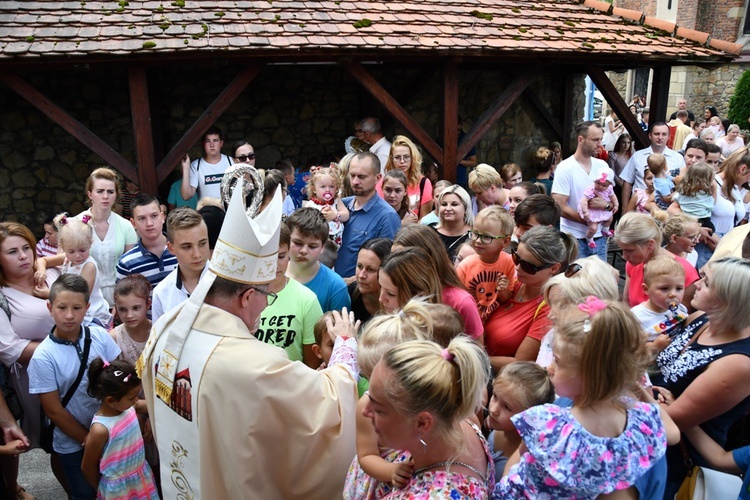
x: 435, y: 484
x: 361, y: 486
x: 566, y: 461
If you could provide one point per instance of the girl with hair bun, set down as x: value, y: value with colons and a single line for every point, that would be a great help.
x: 421, y: 399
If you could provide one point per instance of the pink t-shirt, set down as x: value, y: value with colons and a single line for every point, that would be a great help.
x: 637, y: 295
x: 413, y: 193
x: 461, y: 301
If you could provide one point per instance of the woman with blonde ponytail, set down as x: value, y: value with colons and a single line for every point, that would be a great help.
x: 422, y: 399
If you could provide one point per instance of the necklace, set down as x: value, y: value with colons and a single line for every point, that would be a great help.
x: 448, y: 463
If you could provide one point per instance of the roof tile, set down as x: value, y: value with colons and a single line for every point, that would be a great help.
x: 76, y: 28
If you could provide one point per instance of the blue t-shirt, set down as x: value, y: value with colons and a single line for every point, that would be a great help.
x: 54, y: 367
x: 330, y: 290
x: 376, y: 219
x: 742, y: 459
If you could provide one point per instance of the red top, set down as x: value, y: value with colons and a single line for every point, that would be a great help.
x: 512, y: 322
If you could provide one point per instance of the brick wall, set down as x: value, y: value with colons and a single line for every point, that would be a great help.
x: 646, y: 6
x: 721, y: 18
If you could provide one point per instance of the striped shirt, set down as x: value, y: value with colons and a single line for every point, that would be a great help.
x: 138, y: 260
x: 44, y: 249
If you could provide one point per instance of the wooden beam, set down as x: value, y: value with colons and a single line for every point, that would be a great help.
x: 615, y: 100
x: 495, y: 111
x: 144, y: 138
x: 395, y: 109
x: 69, y: 124
x: 567, y: 117
x: 450, y: 121
x: 209, y: 116
x: 410, y: 90
x: 659, y: 94
x: 548, y: 117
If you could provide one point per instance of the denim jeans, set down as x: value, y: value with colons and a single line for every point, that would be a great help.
x: 80, y: 489
x: 600, y: 251
x: 704, y: 253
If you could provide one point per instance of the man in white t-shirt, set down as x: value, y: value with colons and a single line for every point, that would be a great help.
x: 204, y: 174
x: 572, y: 176
x: 372, y: 134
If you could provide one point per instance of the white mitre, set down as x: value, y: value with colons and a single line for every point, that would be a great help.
x: 246, y: 252
x: 247, y: 249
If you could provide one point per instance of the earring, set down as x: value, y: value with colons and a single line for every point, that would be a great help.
x: 423, y: 444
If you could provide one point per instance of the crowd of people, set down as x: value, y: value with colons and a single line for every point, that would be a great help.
x: 383, y: 333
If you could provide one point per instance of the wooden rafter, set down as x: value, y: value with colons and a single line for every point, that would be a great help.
x: 394, y: 108
x: 144, y: 137
x: 659, y: 94
x: 207, y: 118
x: 553, y: 122
x: 615, y: 100
x: 495, y: 111
x: 69, y: 124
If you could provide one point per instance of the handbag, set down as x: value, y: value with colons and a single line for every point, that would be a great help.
x: 702, y: 483
x: 48, y: 426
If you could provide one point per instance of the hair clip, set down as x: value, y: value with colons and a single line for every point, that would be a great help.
x: 127, y: 377
x: 401, y: 314
x: 64, y: 219
x: 314, y: 168
x: 106, y: 363
x: 586, y: 325
x: 447, y: 355
x: 85, y: 219
x: 118, y: 373
x: 592, y: 306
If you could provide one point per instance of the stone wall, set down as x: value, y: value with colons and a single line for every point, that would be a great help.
x: 714, y: 87
x: 299, y: 112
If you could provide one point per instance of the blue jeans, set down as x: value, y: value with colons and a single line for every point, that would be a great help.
x: 80, y: 489
x: 585, y: 251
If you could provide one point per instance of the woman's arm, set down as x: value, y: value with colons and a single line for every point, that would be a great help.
x: 717, y: 390
x: 92, y: 453
x: 527, y: 351
x: 674, y: 208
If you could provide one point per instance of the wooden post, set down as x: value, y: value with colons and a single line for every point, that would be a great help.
x: 144, y: 138
x: 450, y: 159
x: 659, y: 94
x: 69, y: 124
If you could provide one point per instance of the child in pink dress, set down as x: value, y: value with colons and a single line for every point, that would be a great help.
x: 602, y: 188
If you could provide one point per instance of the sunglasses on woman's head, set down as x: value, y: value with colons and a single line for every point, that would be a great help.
x: 527, y: 266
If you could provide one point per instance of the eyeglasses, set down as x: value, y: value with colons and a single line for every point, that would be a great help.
x: 402, y: 158
x: 244, y: 158
x: 270, y: 296
x: 484, y: 238
x: 527, y: 266
x: 572, y: 269
x: 692, y: 237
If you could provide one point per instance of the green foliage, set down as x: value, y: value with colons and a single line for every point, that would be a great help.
x: 739, y: 104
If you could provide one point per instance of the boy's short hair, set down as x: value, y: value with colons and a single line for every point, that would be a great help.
x: 497, y: 215
x: 662, y: 265
x: 213, y: 130
x: 712, y: 148
x: 182, y: 218
x: 329, y: 254
x: 483, y: 177
x: 143, y: 199
x: 657, y: 163
x: 321, y: 329
x: 69, y: 283
x: 285, y: 166
x: 542, y: 206
x: 309, y: 221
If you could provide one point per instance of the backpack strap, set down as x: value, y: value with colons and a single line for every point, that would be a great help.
x: 421, y: 190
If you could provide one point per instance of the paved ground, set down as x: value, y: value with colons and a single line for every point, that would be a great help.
x: 36, y: 476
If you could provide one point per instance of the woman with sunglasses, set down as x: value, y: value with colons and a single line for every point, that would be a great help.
x: 455, y: 218
x: 639, y: 237
x: 405, y: 156
x: 515, y: 330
